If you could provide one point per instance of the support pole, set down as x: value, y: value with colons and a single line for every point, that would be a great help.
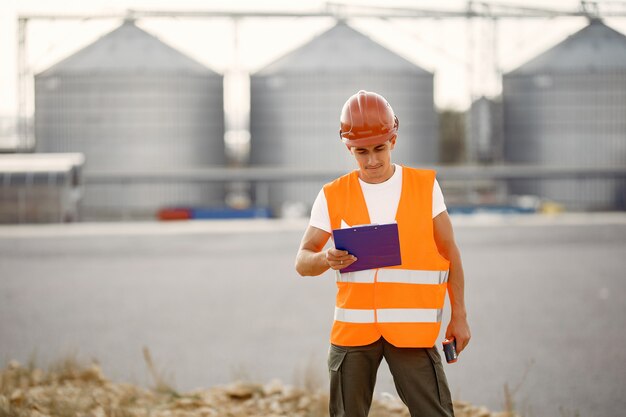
x: 22, y: 88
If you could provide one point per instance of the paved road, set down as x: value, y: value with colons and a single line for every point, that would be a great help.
x: 217, y: 301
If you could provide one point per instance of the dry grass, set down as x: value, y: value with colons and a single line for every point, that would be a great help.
x: 71, y: 388
x: 160, y: 383
x: 510, y: 404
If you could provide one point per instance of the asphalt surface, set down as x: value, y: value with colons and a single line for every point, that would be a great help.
x: 219, y: 301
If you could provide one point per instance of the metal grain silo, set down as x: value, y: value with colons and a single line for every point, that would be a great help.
x: 484, y: 136
x: 129, y: 102
x: 296, y: 102
x: 567, y: 107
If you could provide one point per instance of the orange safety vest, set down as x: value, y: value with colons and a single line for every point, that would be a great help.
x: 402, y: 303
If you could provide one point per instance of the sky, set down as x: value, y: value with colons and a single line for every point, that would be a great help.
x: 442, y: 47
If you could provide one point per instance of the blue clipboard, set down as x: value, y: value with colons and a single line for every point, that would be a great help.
x: 375, y: 245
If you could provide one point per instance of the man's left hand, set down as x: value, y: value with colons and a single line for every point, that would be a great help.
x: 459, y: 329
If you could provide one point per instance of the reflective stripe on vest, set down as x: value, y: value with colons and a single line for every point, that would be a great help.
x: 403, y: 303
x: 394, y: 275
x: 389, y: 315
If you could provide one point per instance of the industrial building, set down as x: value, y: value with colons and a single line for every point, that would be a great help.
x: 40, y: 188
x: 567, y: 108
x: 130, y: 103
x: 296, y: 102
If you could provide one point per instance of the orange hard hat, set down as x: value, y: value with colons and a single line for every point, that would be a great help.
x: 367, y: 119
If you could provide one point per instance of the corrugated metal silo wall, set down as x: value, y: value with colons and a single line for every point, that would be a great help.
x: 294, y: 122
x: 574, y: 120
x: 135, y: 122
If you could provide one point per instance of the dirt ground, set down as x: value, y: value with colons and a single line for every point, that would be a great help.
x: 71, y: 389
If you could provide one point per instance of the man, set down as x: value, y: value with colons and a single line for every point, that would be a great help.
x: 392, y: 312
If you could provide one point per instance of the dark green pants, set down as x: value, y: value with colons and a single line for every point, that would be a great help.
x: 417, y: 373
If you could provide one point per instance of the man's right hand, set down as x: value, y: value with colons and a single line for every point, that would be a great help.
x: 339, y: 259
x: 313, y: 260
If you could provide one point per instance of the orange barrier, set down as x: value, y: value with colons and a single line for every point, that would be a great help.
x: 174, y: 214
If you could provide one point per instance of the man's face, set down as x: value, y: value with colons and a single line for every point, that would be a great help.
x: 374, y: 161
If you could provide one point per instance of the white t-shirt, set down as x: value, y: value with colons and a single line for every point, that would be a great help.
x: 381, y: 199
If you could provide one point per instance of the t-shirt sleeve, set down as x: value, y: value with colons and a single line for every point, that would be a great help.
x: 438, y: 204
x: 319, y: 213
